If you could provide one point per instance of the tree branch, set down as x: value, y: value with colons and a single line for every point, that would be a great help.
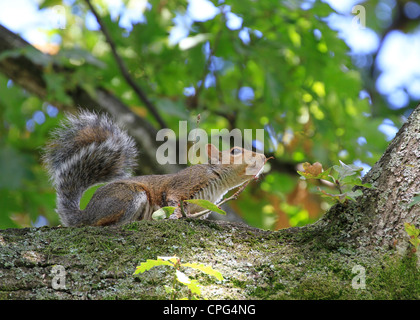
x: 29, y: 75
x: 140, y: 93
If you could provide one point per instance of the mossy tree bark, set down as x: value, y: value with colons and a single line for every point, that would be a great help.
x: 378, y: 217
x: 316, y: 261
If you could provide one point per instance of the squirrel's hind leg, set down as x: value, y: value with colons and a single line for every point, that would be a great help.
x: 117, y: 203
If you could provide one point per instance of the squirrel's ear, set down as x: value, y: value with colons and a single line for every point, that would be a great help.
x: 213, y: 154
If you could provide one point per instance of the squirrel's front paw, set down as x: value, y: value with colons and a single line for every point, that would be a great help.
x: 177, y: 214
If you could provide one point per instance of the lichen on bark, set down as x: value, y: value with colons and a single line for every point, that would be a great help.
x: 256, y: 264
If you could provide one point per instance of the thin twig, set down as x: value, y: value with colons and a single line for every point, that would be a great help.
x: 149, y: 105
x: 181, y: 207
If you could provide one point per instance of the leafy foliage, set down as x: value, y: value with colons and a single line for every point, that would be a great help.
x: 414, y: 234
x: 415, y: 201
x: 344, y: 177
x: 163, y: 213
x: 194, y: 291
x: 205, y: 204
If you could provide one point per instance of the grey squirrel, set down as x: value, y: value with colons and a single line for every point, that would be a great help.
x: 89, y: 149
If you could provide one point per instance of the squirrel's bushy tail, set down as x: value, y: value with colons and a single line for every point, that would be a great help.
x: 87, y: 149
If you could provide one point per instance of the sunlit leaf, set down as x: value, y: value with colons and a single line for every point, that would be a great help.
x: 182, y: 277
x: 206, y: 205
x: 314, y: 171
x: 411, y: 230
x: 173, y: 259
x: 194, y: 287
x: 206, y: 269
x: 149, y: 264
x: 163, y: 213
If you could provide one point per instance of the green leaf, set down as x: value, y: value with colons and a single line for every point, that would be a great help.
x: 173, y: 259
x: 57, y: 85
x: 312, y: 174
x: 346, y: 170
x: 342, y: 197
x: 365, y: 185
x: 182, y: 277
x: 149, y: 264
x: 163, y: 213
x: 352, y: 195
x: 354, y: 181
x: 415, y: 201
x: 194, y: 287
x: 49, y: 3
x: 414, y: 233
x: 206, y: 269
x: 411, y: 230
x: 169, y: 289
x: 415, y: 242
x: 88, y: 194
x: 206, y: 205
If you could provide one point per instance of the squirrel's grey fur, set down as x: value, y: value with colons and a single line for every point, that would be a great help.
x: 87, y: 149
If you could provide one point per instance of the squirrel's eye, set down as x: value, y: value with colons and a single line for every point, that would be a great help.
x: 235, y: 151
